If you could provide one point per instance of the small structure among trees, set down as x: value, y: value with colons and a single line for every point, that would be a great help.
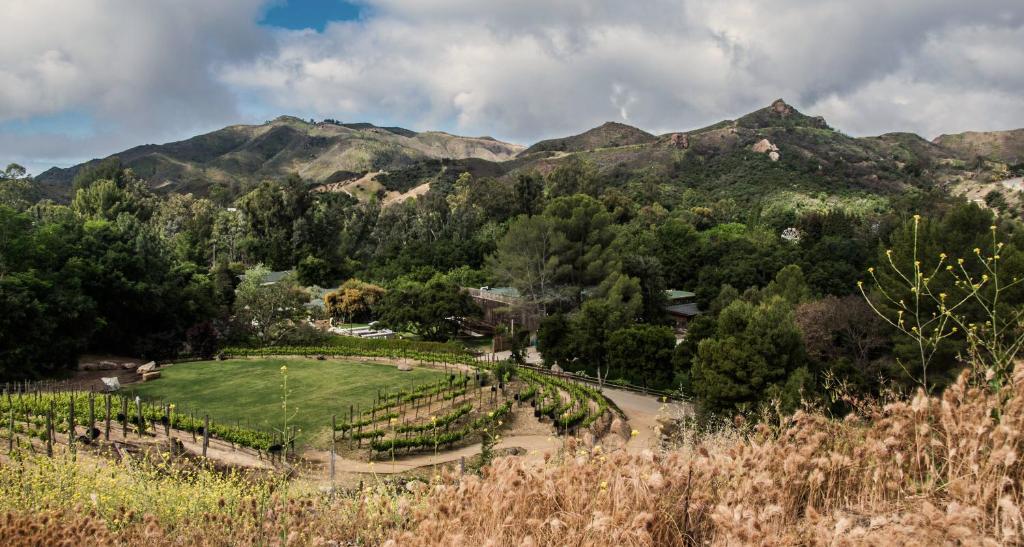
x: 681, y: 308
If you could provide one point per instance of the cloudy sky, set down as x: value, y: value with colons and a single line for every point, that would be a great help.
x: 86, y: 78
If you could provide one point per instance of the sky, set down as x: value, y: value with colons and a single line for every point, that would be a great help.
x: 89, y: 78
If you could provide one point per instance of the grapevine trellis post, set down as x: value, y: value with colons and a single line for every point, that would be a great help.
x: 106, y: 426
x: 10, y: 432
x: 71, y: 420
x: 138, y: 409
x: 206, y: 435
x: 124, y: 418
x: 92, y: 416
x: 49, y: 430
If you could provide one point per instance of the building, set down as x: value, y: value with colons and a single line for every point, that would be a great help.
x: 680, y: 306
x: 504, y: 306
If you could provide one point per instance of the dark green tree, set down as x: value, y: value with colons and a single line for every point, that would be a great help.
x: 433, y: 309
x: 642, y: 355
x: 754, y: 348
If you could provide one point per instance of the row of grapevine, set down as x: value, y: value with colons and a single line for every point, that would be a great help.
x: 34, y: 407
x: 391, y: 349
x: 446, y: 438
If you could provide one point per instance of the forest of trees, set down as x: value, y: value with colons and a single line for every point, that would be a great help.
x: 121, y: 269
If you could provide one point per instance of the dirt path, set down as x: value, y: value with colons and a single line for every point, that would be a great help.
x: 534, y: 445
x: 642, y: 412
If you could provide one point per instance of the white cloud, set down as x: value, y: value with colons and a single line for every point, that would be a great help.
x: 536, y: 68
x: 140, y: 70
x: 518, y: 70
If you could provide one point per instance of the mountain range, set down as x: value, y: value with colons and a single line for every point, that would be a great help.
x: 776, y: 151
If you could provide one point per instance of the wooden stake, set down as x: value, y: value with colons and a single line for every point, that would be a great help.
x: 10, y: 433
x: 49, y: 432
x: 142, y: 423
x: 106, y: 427
x: 92, y: 416
x: 206, y: 435
x: 71, y: 421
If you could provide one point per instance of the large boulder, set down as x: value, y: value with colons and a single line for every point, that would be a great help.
x: 148, y: 367
x: 556, y: 368
x: 150, y: 376
x: 111, y: 384
x: 405, y: 367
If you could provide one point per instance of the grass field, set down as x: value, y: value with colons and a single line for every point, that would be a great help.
x: 249, y: 391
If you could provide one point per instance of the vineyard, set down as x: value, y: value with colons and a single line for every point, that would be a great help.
x: 466, y: 407
x: 468, y: 402
x: 84, y: 417
x: 349, y: 346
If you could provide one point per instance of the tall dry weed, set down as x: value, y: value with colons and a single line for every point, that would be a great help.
x: 927, y: 471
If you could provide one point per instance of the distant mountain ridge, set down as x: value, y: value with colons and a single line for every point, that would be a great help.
x: 317, y: 151
x: 774, y: 153
x: 608, y: 134
x: 1005, y: 146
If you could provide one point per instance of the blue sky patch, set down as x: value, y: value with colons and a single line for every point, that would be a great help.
x: 309, y: 14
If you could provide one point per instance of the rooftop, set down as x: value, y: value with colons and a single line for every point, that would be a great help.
x: 688, y: 310
x: 673, y: 294
x: 510, y: 292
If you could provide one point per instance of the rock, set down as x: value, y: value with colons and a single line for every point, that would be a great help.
x: 588, y: 439
x: 781, y: 108
x: 111, y: 384
x: 762, y: 146
x: 620, y: 428
x: 765, y: 146
x: 556, y: 368
x: 680, y: 140
x: 148, y: 367
x: 415, y: 486
x: 150, y: 376
x: 108, y: 365
x: 129, y: 366
x: 668, y: 426
x: 404, y: 367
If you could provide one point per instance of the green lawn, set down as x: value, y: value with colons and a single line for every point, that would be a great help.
x: 249, y: 391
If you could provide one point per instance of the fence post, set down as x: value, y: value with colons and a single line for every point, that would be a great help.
x: 49, y: 431
x: 53, y: 430
x: 92, y: 416
x: 206, y: 435
x: 167, y: 421
x: 124, y: 418
x: 71, y: 421
x: 138, y: 411
x: 106, y: 427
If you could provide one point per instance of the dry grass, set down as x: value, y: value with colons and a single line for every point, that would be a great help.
x: 928, y: 471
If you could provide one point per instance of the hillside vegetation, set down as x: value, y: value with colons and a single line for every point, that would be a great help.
x: 319, y: 152
x: 749, y: 159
